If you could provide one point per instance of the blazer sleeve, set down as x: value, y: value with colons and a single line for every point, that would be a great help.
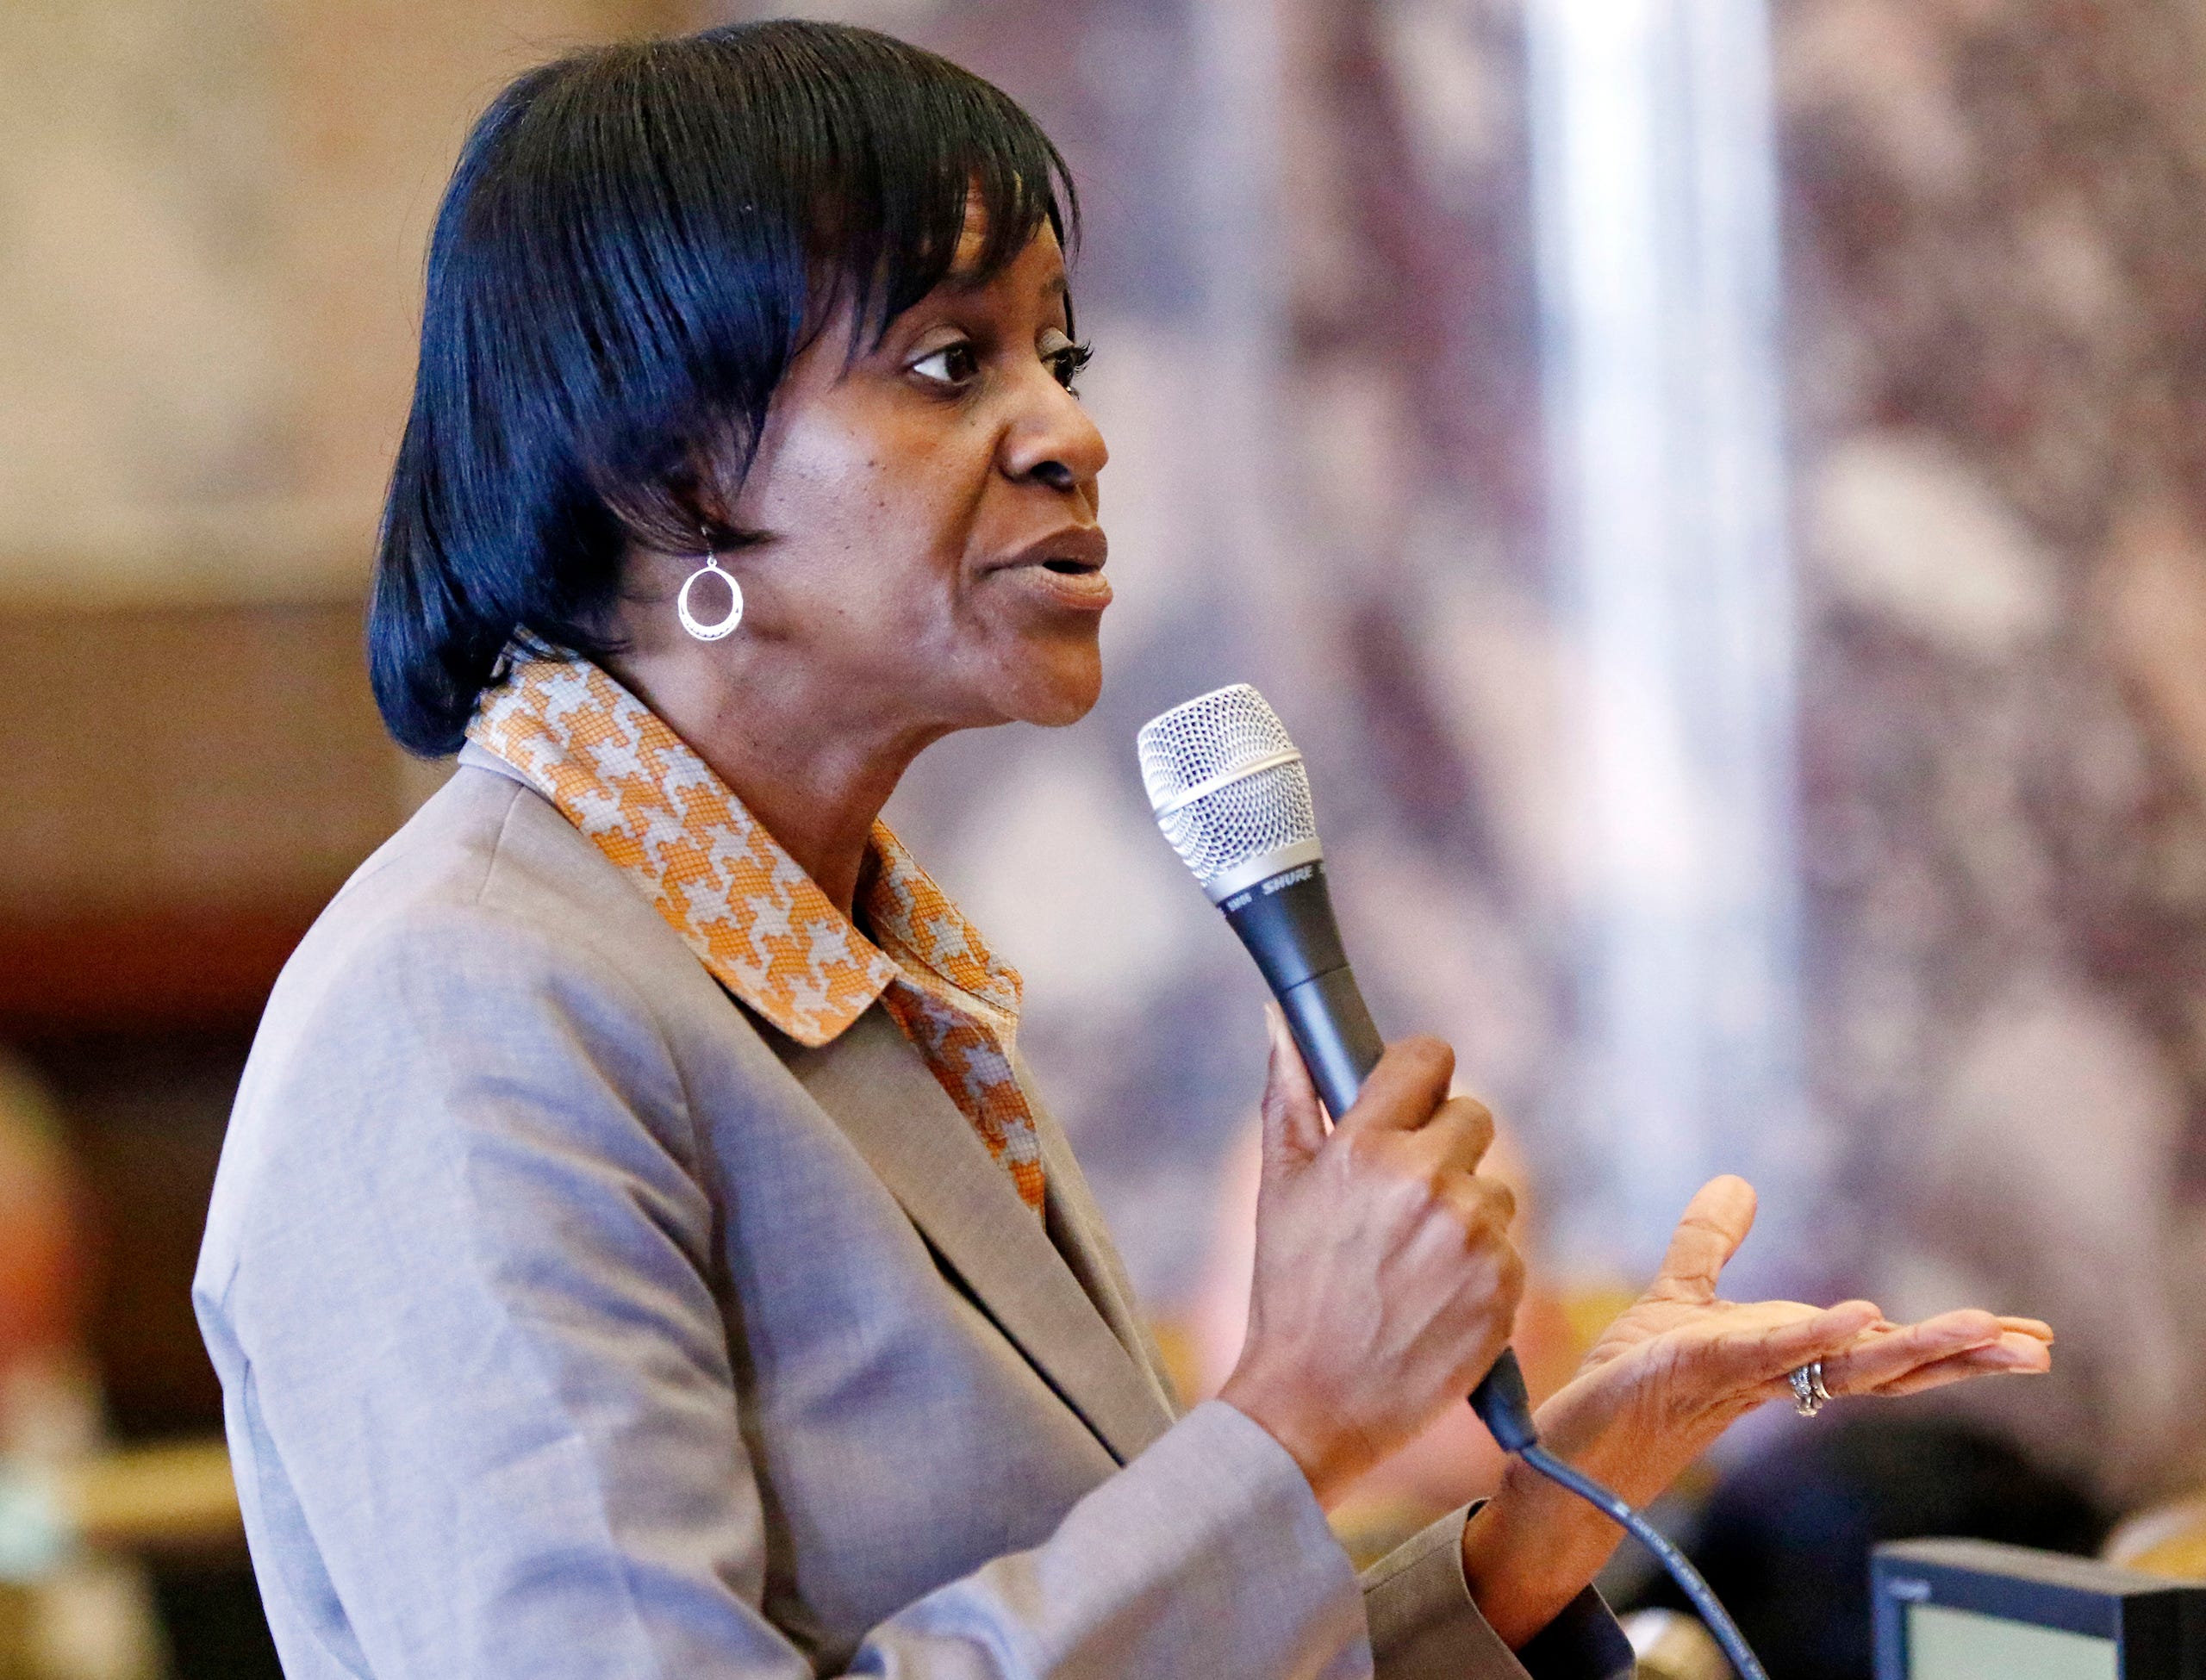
x: 460, y: 1285
x: 1424, y: 1625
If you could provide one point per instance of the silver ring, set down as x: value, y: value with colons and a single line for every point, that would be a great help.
x: 1809, y: 1394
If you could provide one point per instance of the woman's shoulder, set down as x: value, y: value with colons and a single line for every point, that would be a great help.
x: 477, y: 981
x: 483, y: 833
x: 485, y: 861
x: 486, y: 912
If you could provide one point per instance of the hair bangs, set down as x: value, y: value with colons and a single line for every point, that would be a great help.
x: 887, y: 173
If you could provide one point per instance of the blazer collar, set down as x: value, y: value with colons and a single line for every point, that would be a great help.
x: 874, y: 1085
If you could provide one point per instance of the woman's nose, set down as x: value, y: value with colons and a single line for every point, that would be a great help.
x: 1055, y: 444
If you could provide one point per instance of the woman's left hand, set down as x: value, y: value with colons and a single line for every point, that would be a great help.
x: 1677, y: 1369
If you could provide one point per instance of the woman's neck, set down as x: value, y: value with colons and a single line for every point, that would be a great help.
x: 814, y: 777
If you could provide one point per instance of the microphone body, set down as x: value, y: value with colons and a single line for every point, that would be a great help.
x: 1287, y: 924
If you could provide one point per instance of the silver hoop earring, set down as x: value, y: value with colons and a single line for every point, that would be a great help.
x: 690, y: 622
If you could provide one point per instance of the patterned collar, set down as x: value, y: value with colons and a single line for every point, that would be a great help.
x: 741, y: 903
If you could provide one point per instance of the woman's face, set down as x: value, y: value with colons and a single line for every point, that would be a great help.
x: 933, y: 555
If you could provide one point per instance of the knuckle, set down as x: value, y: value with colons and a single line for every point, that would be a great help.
x: 1501, y: 1201
x: 1475, y: 1114
x: 1412, y: 1192
x: 1510, y: 1272
x: 1475, y: 1233
x: 1425, y: 1052
x: 1468, y: 1123
x: 1481, y: 1123
x: 1366, y: 1151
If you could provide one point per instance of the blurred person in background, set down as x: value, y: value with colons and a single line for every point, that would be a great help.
x: 638, y: 1247
x: 64, y: 1614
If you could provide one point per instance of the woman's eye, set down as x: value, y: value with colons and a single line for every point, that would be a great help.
x: 952, y: 364
x: 1068, y: 362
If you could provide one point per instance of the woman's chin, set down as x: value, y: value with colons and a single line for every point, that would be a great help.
x: 1059, y: 687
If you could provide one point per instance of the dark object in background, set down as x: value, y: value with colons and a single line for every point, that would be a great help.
x: 1785, y: 1539
x: 1956, y: 1606
x: 212, y: 1617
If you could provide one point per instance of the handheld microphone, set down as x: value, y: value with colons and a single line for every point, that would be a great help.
x: 1231, y: 794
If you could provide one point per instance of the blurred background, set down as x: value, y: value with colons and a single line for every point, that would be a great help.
x: 1716, y: 489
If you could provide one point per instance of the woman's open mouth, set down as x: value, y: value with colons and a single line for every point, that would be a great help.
x: 1066, y: 570
x: 1065, y: 583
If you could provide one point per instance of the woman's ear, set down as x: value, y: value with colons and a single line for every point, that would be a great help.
x: 686, y: 509
x: 704, y: 487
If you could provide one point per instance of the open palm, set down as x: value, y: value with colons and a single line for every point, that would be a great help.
x: 1681, y: 1365
x: 1675, y: 1370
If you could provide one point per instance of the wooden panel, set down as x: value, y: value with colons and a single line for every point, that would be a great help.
x: 187, y: 755
x: 184, y: 789
x: 149, y: 968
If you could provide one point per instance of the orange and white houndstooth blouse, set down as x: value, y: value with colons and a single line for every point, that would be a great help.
x: 753, y: 917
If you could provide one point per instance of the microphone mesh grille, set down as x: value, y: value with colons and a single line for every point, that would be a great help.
x: 1211, y: 737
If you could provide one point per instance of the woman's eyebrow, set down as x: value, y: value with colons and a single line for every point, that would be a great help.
x: 967, y: 282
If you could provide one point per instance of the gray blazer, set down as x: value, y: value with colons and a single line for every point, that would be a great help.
x: 572, y: 1321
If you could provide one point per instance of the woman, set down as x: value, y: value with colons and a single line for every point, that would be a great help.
x: 638, y: 1250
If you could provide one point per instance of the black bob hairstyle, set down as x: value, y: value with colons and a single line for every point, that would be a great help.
x: 636, y: 242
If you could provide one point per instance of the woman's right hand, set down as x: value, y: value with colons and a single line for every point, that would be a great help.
x: 1385, y: 1283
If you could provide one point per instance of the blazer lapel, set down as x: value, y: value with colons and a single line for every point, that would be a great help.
x: 874, y: 1085
x: 1078, y: 1233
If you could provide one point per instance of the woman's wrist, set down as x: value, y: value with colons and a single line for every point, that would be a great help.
x: 1535, y: 1545
x: 1529, y: 1549
x: 1321, y: 1454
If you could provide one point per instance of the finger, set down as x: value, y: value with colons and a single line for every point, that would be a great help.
x: 1483, y: 1204
x: 1294, y: 1124
x: 2010, y: 1352
x: 2036, y: 1327
x: 2023, y: 1356
x: 1457, y: 1136
x: 2016, y: 1352
x: 1883, y: 1356
x: 1409, y: 1083
x: 1820, y: 1336
x: 1715, y: 1222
